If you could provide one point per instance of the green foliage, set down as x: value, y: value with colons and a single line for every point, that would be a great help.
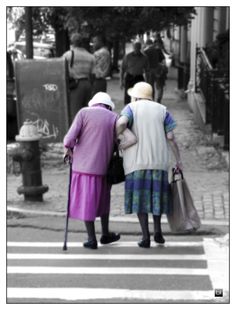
x: 115, y: 22
x: 43, y: 18
x: 128, y: 21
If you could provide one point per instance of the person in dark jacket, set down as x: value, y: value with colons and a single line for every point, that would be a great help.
x: 134, y: 68
x: 158, y: 70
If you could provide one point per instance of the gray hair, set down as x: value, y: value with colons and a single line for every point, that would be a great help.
x: 77, y: 39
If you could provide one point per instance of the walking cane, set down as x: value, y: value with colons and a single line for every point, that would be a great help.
x: 67, y: 158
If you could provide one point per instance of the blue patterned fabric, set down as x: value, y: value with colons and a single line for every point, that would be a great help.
x: 129, y: 114
x: 147, y: 191
x: 169, y: 122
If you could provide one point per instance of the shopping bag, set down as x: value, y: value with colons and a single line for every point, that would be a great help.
x: 183, y: 215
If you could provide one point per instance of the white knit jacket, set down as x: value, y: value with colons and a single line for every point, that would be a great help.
x: 151, y: 151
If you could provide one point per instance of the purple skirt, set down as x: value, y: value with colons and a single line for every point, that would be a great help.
x: 89, y: 196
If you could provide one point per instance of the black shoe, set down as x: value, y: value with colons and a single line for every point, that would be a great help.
x: 112, y: 237
x: 92, y: 244
x: 159, y: 238
x: 145, y: 243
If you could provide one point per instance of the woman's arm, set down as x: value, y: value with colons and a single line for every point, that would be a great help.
x: 121, y: 124
x: 72, y: 135
x: 175, y: 149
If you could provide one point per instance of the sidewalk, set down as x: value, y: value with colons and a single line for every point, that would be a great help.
x: 204, y: 168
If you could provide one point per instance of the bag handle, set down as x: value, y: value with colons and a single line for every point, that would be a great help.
x: 177, y: 172
x: 72, y: 59
x: 116, y: 142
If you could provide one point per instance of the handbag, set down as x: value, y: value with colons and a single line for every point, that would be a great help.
x: 73, y: 83
x: 115, y: 172
x: 183, y: 216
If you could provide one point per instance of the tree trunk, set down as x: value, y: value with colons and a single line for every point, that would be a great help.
x: 28, y: 32
x: 62, y: 41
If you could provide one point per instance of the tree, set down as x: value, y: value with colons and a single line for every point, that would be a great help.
x: 28, y: 32
x: 17, y: 17
x: 56, y: 17
x: 129, y: 21
x: 118, y: 24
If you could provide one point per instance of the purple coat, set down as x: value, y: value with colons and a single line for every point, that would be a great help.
x: 92, y: 136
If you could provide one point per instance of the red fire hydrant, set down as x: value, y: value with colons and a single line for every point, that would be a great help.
x: 28, y: 155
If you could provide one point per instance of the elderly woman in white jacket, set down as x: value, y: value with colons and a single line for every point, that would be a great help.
x: 146, y: 163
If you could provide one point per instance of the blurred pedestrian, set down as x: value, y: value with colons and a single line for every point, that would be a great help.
x: 161, y: 44
x: 102, y: 64
x: 146, y: 163
x: 90, y: 142
x: 158, y: 71
x: 134, y: 69
x: 81, y: 65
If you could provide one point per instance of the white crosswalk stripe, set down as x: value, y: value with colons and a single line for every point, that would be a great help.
x: 109, y: 270
x: 108, y: 294
x: 104, y: 256
x: 80, y: 244
x: 31, y: 276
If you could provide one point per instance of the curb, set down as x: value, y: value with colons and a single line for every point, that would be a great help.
x: 117, y: 219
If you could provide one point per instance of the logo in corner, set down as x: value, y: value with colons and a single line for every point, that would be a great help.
x: 218, y: 292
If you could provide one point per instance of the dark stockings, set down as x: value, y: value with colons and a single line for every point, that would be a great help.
x: 143, y: 220
x: 105, y: 224
x: 90, y: 227
x: 157, y: 223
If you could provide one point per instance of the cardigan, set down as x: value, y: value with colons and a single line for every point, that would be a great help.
x: 149, y: 121
x: 92, y: 136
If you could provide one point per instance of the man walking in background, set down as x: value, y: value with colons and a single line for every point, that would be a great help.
x: 81, y: 66
x: 134, y: 68
x: 102, y: 64
x: 158, y: 70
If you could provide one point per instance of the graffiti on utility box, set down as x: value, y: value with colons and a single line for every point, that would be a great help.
x: 43, y: 97
x: 50, y: 87
x: 43, y: 127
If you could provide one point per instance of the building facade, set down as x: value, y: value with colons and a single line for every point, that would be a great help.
x: 208, y: 85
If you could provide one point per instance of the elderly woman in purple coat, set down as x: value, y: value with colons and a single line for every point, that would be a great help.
x: 90, y: 141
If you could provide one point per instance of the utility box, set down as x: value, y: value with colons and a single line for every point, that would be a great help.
x: 42, y: 96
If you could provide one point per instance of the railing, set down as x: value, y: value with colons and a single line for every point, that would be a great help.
x: 213, y: 85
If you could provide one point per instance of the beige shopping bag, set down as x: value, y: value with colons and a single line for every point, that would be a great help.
x: 183, y: 215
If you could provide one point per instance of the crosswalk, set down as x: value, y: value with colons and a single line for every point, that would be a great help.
x: 187, y: 271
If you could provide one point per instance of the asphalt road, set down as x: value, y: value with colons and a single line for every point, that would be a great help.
x: 187, y: 269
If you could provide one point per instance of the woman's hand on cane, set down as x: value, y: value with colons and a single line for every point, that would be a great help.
x: 68, y: 155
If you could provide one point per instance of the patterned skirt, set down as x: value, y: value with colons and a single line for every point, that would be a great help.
x: 147, y: 191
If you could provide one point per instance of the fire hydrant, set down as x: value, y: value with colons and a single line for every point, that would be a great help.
x: 28, y: 155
